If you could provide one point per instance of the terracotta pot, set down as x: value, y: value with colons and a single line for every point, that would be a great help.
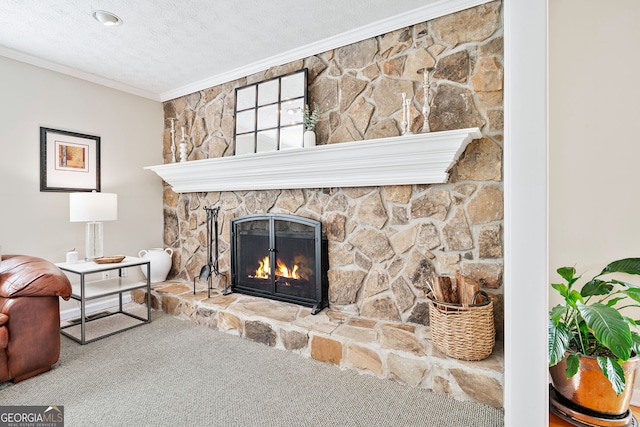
x: 589, y: 387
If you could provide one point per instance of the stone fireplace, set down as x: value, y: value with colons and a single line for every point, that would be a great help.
x: 384, y: 241
x: 281, y: 257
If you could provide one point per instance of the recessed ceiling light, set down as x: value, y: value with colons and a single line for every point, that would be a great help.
x: 106, y: 18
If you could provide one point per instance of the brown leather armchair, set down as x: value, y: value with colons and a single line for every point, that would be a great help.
x: 29, y: 315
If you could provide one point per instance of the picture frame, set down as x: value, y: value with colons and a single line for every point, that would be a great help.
x: 69, y: 161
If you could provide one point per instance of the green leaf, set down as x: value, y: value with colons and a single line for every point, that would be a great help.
x: 613, y: 371
x: 573, y: 363
x: 613, y: 301
x: 636, y: 343
x: 568, y: 274
x: 561, y: 288
x: 573, y: 298
x: 558, y: 342
x: 627, y: 265
x: 625, y: 284
x: 633, y: 293
x: 309, y: 118
x: 558, y: 312
x: 596, y: 287
x: 609, y: 327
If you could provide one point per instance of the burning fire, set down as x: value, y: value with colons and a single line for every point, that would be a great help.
x: 281, y: 270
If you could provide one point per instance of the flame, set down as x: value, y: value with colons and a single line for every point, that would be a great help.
x: 264, y: 269
x: 281, y: 270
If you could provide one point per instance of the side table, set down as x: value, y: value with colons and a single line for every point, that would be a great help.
x: 88, y: 290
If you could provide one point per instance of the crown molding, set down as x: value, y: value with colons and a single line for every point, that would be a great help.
x: 422, y: 14
x: 69, y: 71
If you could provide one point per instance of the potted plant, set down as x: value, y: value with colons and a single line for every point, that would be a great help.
x: 593, y: 346
x: 310, y: 119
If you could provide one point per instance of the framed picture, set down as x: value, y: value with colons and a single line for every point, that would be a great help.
x: 69, y: 161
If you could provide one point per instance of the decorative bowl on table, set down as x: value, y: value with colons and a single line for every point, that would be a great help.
x: 112, y: 259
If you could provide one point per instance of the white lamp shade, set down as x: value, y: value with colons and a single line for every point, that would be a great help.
x: 89, y: 207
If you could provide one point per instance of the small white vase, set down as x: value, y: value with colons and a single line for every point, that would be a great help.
x: 160, y: 263
x: 309, y: 138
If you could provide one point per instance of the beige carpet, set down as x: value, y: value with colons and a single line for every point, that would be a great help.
x: 106, y: 325
x: 175, y: 373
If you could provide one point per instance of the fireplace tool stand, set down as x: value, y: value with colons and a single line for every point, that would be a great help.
x: 212, y: 265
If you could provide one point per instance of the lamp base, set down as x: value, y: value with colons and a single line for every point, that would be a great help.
x: 94, y: 241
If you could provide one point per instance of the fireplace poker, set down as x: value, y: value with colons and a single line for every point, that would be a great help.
x: 216, y: 266
x: 205, y: 271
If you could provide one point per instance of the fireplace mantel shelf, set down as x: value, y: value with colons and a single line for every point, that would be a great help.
x: 423, y: 158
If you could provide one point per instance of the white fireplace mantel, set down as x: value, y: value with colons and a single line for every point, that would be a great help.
x: 423, y: 158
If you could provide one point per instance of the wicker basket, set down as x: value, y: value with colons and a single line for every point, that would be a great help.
x: 465, y: 332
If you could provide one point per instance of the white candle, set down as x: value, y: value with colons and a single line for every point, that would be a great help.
x: 72, y: 257
x: 404, y: 110
x: 182, y: 132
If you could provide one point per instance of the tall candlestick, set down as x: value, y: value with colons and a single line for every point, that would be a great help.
x: 404, y: 113
x: 183, y: 146
x: 408, y: 114
x: 426, y: 106
x: 173, y: 140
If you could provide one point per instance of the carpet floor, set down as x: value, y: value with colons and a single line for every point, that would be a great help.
x: 175, y: 373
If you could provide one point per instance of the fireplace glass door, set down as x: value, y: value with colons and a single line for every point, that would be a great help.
x: 279, y: 257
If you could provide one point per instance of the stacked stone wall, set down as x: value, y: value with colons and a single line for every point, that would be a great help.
x: 384, y: 242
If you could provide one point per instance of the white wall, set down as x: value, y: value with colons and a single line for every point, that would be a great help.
x: 594, y: 141
x: 594, y: 144
x: 130, y: 127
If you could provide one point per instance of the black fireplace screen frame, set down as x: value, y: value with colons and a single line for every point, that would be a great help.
x: 319, y: 299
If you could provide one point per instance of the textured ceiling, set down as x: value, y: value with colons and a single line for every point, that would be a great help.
x: 165, y: 45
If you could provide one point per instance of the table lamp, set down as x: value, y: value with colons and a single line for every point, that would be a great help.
x: 93, y: 208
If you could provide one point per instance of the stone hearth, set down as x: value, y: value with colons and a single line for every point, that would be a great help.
x: 386, y: 349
